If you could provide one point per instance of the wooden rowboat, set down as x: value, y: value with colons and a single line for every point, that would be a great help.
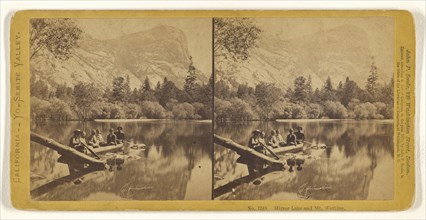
x: 280, y: 151
x: 289, y: 149
x: 108, y: 149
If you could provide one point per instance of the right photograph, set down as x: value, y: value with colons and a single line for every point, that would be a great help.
x: 303, y: 108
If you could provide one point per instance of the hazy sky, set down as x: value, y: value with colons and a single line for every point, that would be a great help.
x: 379, y: 30
x: 198, y: 32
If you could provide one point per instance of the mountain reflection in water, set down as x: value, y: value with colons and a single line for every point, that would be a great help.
x: 177, y: 162
x: 357, y: 166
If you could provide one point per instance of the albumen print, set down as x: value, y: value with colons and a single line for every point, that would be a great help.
x: 313, y: 95
x: 120, y: 109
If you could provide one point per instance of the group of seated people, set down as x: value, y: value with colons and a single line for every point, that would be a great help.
x: 275, y: 139
x: 79, y: 141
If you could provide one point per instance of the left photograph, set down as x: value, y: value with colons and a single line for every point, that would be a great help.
x: 121, y: 109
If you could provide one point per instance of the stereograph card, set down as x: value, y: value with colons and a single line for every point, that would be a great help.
x: 212, y: 110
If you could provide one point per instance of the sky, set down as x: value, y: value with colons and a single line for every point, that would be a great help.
x: 198, y: 32
x: 379, y: 30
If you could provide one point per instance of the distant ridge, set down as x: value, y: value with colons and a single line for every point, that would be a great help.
x: 157, y: 53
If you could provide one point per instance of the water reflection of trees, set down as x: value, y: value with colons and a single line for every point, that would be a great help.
x: 355, y: 150
x: 139, y: 180
x: 175, y: 148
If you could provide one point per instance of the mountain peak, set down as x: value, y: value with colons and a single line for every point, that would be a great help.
x: 159, y: 52
x: 338, y: 52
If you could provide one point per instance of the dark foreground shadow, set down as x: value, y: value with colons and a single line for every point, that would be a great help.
x: 221, y: 190
x: 57, y: 182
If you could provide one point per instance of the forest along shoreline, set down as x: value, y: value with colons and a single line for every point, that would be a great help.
x: 85, y: 101
x: 267, y: 102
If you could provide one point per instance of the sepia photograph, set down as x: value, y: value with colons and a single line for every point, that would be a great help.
x: 304, y: 108
x: 121, y: 109
x: 212, y: 110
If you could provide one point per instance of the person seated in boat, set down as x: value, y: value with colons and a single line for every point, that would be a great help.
x: 75, y: 141
x: 262, y: 138
x: 83, y: 138
x: 100, y: 138
x: 255, y: 141
x: 119, y: 134
x: 272, y: 139
x: 300, y: 136
x: 93, y: 140
x: 111, y: 138
x: 291, y: 138
x: 279, y: 138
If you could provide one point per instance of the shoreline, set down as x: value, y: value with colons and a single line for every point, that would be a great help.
x: 330, y: 120
x: 148, y: 120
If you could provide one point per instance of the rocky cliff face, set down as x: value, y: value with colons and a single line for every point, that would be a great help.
x: 337, y: 53
x: 157, y: 53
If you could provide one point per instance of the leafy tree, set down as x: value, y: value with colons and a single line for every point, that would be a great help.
x: 328, y: 93
x: 301, y: 90
x: 131, y: 110
x: 386, y: 93
x: 266, y: 95
x: 366, y: 111
x: 286, y: 110
x: 146, y: 93
x: 240, y: 111
x: 313, y: 110
x: 63, y: 92
x: 372, y: 81
x: 167, y: 92
x: 222, y: 90
x: 39, y: 88
x: 183, y: 111
x: 153, y: 110
x: 158, y: 86
x: 85, y: 96
x: 233, y: 37
x: 328, y: 85
x: 353, y: 103
x: 205, y: 93
x: 349, y: 91
x: 146, y: 86
x: 316, y: 96
x: 38, y: 108
x: 110, y: 111
x: 134, y: 96
x: 191, y: 86
x: 58, y: 36
x: 309, y: 87
x: 221, y: 109
x: 335, y: 110
x: 59, y: 110
x: 120, y: 90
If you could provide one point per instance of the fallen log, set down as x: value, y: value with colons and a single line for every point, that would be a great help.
x: 247, y: 152
x: 65, y: 150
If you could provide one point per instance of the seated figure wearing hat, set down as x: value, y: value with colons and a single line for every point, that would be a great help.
x: 291, y: 138
x: 119, y: 134
x: 111, y: 137
x: 75, y: 141
x: 254, y: 139
x: 300, y: 136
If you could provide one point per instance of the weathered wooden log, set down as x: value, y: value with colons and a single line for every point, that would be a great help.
x: 246, y: 151
x: 65, y: 150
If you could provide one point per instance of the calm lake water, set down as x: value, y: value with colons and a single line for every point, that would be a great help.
x: 176, y: 166
x: 358, y: 164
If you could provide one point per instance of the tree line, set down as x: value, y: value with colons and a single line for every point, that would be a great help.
x: 85, y: 101
x: 266, y: 101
